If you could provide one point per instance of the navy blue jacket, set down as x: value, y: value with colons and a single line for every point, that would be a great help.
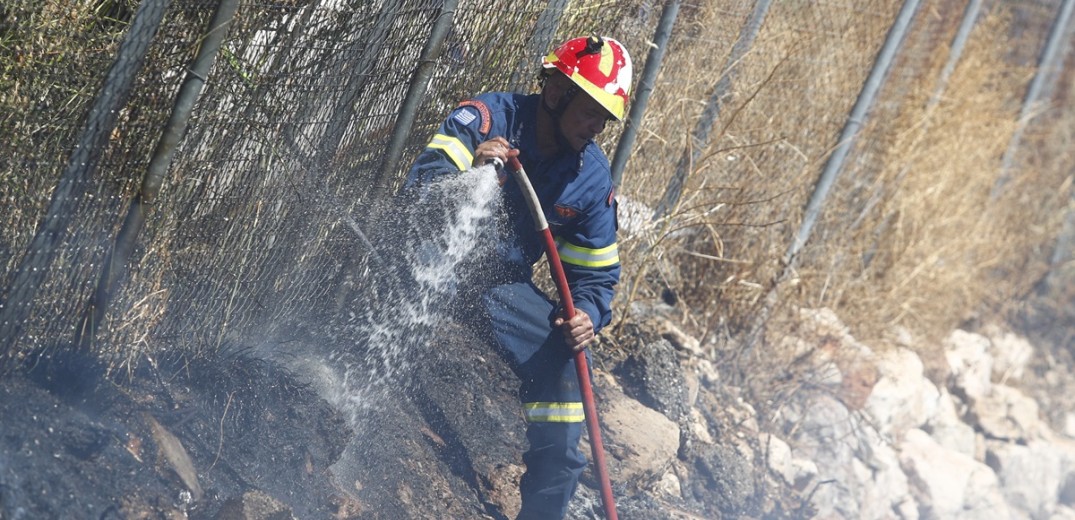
x: 575, y: 191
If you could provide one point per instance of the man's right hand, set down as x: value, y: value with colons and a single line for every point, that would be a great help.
x: 495, y: 149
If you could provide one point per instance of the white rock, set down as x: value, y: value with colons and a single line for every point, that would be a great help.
x: 902, y: 398
x: 804, y: 472
x: 827, y: 322
x: 670, y: 485
x: 949, y: 430
x: 778, y: 457
x: 821, y: 428
x: 1009, y: 414
x: 707, y: 372
x: 950, y: 485
x: 694, y: 386
x: 1032, y: 475
x: 643, y: 442
x: 742, y: 414
x: 1069, y: 424
x: 835, y: 359
x: 699, y: 427
x: 1063, y: 513
x: 969, y: 362
x: 681, y: 341
x: 884, y: 486
x: 857, y: 475
x: 1011, y: 354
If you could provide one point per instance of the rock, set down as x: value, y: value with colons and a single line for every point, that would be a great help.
x: 1006, y: 413
x: 669, y: 485
x: 691, y: 379
x: 254, y: 505
x: 884, y: 487
x: 1069, y: 424
x: 797, y: 473
x: 699, y: 428
x: 1010, y: 354
x: 969, y: 363
x: 950, y: 485
x: 836, y: 359
x: 858, y: 474
x: 825, y: 322
x: 721, y: 479
x: 902, y: 398
x: 739, y: 412
x: 681, y: 341
x: 504, y: 488
x: 1034, y: 477
x: 706, y: 372
x: 637, y: 507
x: 948, y: 430
x: 821, y: 429
x: 642, y: 442
x: 173, y: 452
x: 652, y: 375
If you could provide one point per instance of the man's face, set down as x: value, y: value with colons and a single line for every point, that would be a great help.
x: 583, y: 120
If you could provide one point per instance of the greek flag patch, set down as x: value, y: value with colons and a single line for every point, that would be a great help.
x: 465, y: 117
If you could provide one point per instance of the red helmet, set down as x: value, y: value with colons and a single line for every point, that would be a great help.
x: 601, y: 67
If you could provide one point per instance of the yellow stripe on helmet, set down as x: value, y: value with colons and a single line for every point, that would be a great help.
x: 608, y: 58
x: 613, y: 103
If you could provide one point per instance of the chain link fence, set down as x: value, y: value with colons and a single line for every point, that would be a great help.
x: 303, y: 125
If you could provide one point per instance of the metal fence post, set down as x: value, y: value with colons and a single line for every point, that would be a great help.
x: 1049, y: 58
x: 113, y: 95
x: 115, y: 266
x: 848, y: 135
x: 416, y: 92
x: 540, y: 40
x: 645, y: 88
x: 1063, y: 252
x: 374, y: 43
x: 700, y: 135
x: 959, y: 42
x: 893, y: 41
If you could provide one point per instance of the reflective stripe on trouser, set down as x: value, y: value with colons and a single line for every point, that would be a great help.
x: 520, y: 317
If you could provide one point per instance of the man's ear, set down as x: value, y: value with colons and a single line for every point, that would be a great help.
x: 554, y: 90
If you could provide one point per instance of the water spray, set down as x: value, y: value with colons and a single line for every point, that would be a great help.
x: 582, y: 368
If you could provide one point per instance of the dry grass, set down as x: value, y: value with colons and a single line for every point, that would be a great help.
x: 942, y: 251
x: 909, y: 238
x: 775, y: 129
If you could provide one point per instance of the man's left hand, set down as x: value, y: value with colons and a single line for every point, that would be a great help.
x: 578, y: 331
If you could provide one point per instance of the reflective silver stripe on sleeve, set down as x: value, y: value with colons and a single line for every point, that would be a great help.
x: 454, y: 149
x: 586, y: 257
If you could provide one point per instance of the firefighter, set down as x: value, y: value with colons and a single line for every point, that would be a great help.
x: 584, y: 85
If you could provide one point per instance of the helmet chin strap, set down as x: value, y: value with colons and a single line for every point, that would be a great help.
x: 557, y: 113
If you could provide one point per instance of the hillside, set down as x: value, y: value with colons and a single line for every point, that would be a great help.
x: 846, y: 231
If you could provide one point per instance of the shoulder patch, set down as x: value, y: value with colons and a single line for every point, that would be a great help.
x: 566, y: 212
x: 482, y: 109
x: 465, y: 117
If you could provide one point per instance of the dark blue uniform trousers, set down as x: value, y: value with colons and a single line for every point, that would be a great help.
x: 521, y: 316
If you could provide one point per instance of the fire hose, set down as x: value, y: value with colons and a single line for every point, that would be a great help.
x: 582, y: 368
